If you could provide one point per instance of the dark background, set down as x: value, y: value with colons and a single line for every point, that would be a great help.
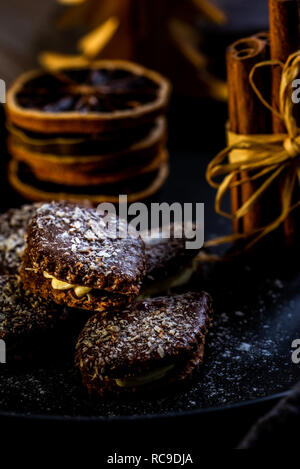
x: 196, y: 134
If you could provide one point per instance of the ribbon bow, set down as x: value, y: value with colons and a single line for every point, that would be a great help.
x: 271, y: 157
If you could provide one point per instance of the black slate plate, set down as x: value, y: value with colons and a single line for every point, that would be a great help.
x: 248, y: 354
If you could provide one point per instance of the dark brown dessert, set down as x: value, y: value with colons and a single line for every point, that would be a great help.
x: 80, y: 258
x: 158, y: 340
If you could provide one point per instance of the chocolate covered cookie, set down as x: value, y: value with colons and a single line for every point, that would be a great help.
x: 156, y: 340
x: 82, y: 259
x: 13, y: 228
x: 24, y: 318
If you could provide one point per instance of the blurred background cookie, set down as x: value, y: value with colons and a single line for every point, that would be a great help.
x: 169, y: 264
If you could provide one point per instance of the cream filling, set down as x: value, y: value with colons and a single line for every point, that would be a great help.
x: 56, y: 284
x: 146, y: 378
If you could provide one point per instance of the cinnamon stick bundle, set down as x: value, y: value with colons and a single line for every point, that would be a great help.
x: 247, y: 115
x: 284, y: 40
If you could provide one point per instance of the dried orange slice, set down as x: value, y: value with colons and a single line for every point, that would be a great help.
x: 87, y: 169
x: 79, y: 145
x: 138, y: 188
x: 104, y: 97
x: 103, y: 169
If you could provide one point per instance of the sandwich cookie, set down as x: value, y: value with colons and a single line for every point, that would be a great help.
x: 156, y: 340
x: 81, y: 259
x: 169, y: 263
x: 24, y: 318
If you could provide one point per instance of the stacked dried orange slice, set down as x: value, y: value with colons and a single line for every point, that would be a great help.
x: 91, y: 132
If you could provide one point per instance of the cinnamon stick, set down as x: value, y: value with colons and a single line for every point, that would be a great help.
x: 284, y: 40
x: 263, y: 36
x: 247, y: 115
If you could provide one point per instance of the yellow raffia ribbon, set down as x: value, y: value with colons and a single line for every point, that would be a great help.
x: 274, y: 156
